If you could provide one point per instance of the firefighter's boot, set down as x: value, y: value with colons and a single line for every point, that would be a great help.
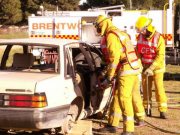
x: 109, y: 129
x: 127, y: 133
x: 163, y: 115
x: 140, y: 123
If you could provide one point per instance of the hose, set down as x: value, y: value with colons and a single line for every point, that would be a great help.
x: 109, y: 99
x: 156, y: 126
x: 161, y: 129
x: 172, y: 105
x: 150, y: 125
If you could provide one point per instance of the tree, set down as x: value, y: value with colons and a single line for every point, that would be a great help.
x: 14, y: 11
x: 136, y: 4
x: 102, y: 3
x: 63, y: 5
x: 11, y: 11
x: 150, y: 4
x: 68, y: 4
x: 30, y: 7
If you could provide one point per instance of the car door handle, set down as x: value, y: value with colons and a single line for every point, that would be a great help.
x: 66, y: 93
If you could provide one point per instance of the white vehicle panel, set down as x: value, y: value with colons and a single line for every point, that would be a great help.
x: 58, y: 91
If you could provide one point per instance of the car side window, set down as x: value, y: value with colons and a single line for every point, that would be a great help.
x: 48, y: 60
x: 15, y: 49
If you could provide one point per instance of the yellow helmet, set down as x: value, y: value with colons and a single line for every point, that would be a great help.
x: 99, y: 20
x: 143, y: 23
x: 102, y: 23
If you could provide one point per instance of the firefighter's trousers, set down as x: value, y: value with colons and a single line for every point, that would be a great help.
x: 123, y: 99
x: 137, y: 101
x: 115, y: 114
x: 160, y: 94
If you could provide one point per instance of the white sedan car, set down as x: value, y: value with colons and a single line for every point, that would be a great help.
x: 47, y: 83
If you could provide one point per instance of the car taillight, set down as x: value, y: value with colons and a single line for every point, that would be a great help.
x: 37, y: 100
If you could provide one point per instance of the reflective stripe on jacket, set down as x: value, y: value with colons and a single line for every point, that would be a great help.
x: 128, y: 48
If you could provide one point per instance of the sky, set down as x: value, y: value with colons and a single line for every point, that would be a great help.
x: 82, y: 1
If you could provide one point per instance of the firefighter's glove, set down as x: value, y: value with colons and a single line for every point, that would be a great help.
x: 100, y: 78
x: 105, y: 83
x: 102, y: 75
x: 148, y: 72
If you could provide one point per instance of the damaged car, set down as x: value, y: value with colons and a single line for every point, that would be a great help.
x: 48, y: 83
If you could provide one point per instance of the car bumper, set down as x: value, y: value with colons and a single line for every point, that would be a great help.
x: 33, y: 119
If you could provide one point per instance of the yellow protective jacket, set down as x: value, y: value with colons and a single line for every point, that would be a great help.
x: 116, y: 51
x: 158, y: 63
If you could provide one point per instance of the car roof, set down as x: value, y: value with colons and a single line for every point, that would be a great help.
x: 46, y: 41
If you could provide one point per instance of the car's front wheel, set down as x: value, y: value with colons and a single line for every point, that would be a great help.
x: 67, y: 125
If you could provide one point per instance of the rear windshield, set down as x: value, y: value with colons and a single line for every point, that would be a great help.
x: 29, y: 58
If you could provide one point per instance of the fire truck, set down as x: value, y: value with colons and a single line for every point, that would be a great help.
x: 78, y: 25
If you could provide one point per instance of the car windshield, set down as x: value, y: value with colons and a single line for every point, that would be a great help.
x: 29, y: 58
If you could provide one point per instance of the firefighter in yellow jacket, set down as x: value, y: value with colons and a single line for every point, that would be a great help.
x: 151, y: 47
x: 115, y: 111
x: 120, y: 50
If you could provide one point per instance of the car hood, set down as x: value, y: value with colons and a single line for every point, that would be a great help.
x: 14, y: 82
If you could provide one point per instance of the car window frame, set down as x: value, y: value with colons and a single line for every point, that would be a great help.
x: 68, y: 57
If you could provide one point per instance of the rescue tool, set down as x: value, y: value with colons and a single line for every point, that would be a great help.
x: 109, y: 100
x: 148, y: 110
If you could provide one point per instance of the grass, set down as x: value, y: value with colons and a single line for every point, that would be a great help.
x: 14, y: 35
x: 172, y: 69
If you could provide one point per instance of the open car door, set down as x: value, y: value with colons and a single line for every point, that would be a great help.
x: 88, y: 65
